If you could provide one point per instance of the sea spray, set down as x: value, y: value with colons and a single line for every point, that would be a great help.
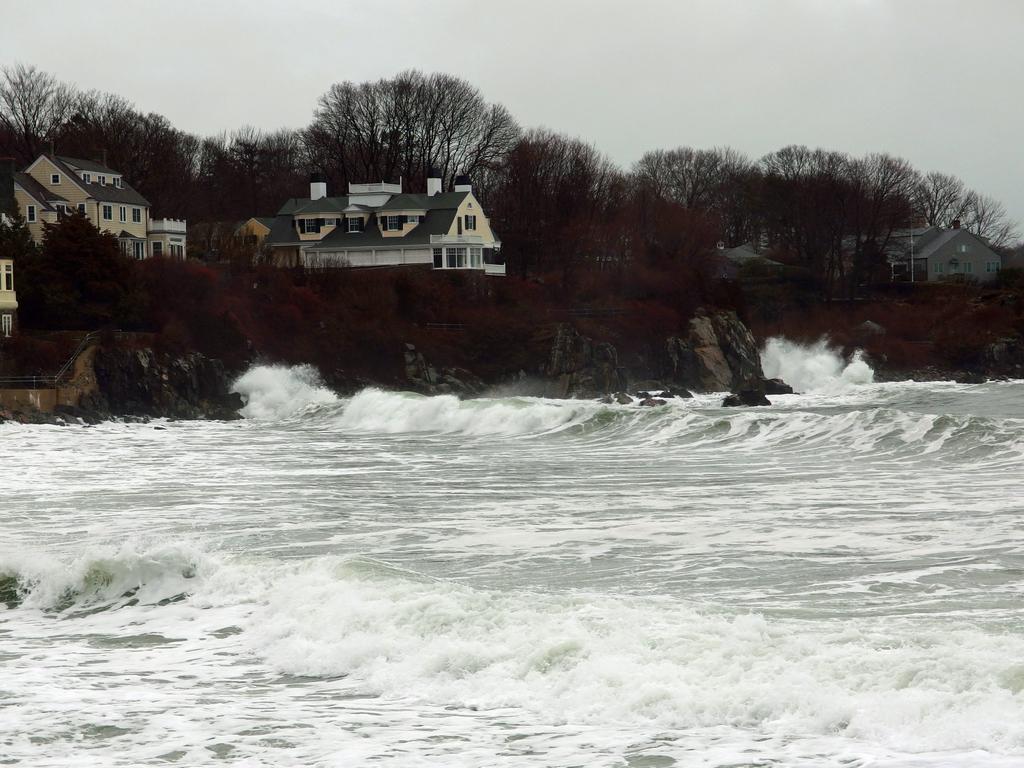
x: 273, y: 392
x: 813, y: 367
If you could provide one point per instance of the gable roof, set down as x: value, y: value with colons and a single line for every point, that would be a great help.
x: 104, y: 193
x: 37, y: 191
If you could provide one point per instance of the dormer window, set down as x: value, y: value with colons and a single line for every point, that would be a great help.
x: 87, y: 177
x: 392, y: 223
x: 355, y: 225
x: 470, y: 223
x: 118, y: 183
x: 102, y: 180
x: 55, y: 179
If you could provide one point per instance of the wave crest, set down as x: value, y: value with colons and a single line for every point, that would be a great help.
x: 274, y: 392
x: 814, y: 367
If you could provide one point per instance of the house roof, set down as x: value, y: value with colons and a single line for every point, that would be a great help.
x: 105, y: 193
x: 423, y: 202
x: 87, y: 165
x: 929, y: 241
x: 437, y: 222
x: 743, y: 254
x: 37, y: 191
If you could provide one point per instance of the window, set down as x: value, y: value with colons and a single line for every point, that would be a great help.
x: 136, y: 215
x: 87, y: 178
x: 968, y: 267
x: 470, y: 223
x: 102, y: 180
x: 392, y: 223
x: 456, y: 258
x: 118, y: 183
x: 8, y: 278
x: 355, y: 225
x: 158, y: 248
x: 81, y: 208
x: 438, y: 260
x: 123, y: 213
x: 328, y: 222
x: 476, y: 256
x: 937, y: 268
x: 962, y: 248
x: 6, y: 324
x: 414, y: 219
x: 30, y: 214
x: 108, y: 213
x: 992, y: 266
x: 55, y: 179
x: 139, y: 249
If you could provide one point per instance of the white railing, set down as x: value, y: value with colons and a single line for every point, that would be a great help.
x: 381, y: 187
x: 456, y: 240
x: 494, y: 269
x: 168, y: 225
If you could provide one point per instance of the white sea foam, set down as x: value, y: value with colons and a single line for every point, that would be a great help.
x: 373, y: 410
x: 813, y: 368
x: 831, y: 582
x: 274, y: 392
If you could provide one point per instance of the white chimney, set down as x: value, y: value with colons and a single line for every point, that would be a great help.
x: 317, y: 187
x: 462, y: 184
x: 433, y: 182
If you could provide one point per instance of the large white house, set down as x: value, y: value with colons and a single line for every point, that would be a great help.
x: 377, y: 225
x: 52, y: 186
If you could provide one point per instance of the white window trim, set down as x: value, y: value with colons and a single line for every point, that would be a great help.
x: 30, y: 214
x: 87, y: 177
x: 355, y: 224
x: 57, y: 177
x: 123, y: 214
x: 104, y: 209
x: 136, y: 215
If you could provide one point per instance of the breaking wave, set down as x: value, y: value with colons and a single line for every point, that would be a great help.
x: 814, y: 368
x: 641, y: 661
x: 101, y: 576
x: 273, y: 392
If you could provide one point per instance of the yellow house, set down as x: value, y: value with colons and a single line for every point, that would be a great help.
x: 54, y: 185
x: 377, y: 225
x: 254, y: 231
x: 8, y: 298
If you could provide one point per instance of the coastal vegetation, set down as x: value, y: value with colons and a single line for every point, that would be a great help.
x: 627, y: 256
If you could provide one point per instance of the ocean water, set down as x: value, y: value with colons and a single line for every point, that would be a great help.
x: 396, y: 580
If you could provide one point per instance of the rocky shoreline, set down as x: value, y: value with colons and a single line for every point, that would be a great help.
x: 717, y: 354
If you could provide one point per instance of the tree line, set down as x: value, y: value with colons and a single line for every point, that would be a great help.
x: 559, y: 204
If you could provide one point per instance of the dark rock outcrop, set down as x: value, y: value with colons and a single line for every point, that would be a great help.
x: 422, y: 377
x: 1004, y: 357
x: 141, y: 382
x: 718, y: 354
x: 580, y: 367
x: 746, y: 397
x: 776, y: 387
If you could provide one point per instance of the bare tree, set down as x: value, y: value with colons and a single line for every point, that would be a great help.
x: 987, y: 218
x: 33, y: 107
x: 940, y: 198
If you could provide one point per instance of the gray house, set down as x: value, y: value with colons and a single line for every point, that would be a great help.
x: 934, y: 254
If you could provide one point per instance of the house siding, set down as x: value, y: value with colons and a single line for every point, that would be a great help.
x: 43, y: 168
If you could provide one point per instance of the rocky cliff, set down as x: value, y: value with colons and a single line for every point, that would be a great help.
x: 717, y: 354
x: 580, y: 367
x: 141, y: 382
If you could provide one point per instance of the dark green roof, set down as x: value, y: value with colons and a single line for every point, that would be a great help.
x: 87, y: 165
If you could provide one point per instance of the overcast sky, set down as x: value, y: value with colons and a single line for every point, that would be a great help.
x: 939, y: 82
